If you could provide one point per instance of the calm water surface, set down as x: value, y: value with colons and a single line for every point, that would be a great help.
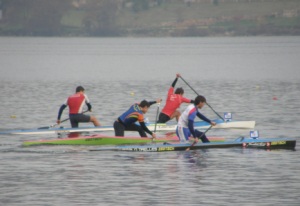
x: 254, y: 78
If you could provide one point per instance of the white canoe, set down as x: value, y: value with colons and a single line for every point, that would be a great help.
x: 159, y: 127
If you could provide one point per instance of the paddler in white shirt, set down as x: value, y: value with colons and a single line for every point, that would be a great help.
x: 185, y: 126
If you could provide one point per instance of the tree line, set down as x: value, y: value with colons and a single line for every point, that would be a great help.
x: 102, y: 18
x: 43, y: 17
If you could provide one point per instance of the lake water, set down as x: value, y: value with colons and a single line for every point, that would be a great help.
x: 255, y: 78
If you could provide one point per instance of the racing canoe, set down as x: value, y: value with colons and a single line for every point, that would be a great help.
x: 159, y: 127
x: 242, y: 142
x: 105, y: 140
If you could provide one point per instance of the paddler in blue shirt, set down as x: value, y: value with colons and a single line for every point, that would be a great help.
x: 126, y: 122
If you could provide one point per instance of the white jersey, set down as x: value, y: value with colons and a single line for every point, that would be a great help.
x: 188, y: 114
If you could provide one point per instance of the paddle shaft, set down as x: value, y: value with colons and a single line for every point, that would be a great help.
x: 60, y: 122
x: 205, y: 102
x: 157, y: 111
x: 199, y: 137
x: 156, y: 118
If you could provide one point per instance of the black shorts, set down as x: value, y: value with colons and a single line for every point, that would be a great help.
x: 163, y: 118
x: 120, y: 128
x: 76, y: 118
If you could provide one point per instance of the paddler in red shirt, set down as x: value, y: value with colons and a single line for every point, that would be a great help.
x: 173, y: 102
x: 76, y: 103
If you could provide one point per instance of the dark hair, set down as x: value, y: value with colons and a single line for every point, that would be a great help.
x: 179, y: 90
x: 199, y: 99
x: 144, y: 103
x: 79, y: 89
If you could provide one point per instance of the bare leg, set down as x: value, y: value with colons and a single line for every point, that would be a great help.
x: 95, y: 121
x: 175, y: 114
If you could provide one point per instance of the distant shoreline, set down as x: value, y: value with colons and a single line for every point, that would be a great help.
x: 145, y: 18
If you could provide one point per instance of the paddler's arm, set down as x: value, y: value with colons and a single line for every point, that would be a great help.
x: 175, y: 81
x: 154, y: 102
x: 89, y: 106
x: 186, y: 100
x: 145, y: 128
x: 192, y: 130
x: 191, y: 127
x: 61, y: 109
x: 87, y: 102
x: 204, y: 118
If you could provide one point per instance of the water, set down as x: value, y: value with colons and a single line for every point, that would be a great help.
x: 255, y: 78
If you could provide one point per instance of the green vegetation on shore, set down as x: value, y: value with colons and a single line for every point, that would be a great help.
x: 149, y: 17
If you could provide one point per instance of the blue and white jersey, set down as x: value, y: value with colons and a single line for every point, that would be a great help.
x: 185, y: 126
x: 189, y: 114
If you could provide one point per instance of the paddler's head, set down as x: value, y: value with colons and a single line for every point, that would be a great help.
x: 79, y: 89
x: 179, y: 91
x: 144, y: 105
x: 200, y: 101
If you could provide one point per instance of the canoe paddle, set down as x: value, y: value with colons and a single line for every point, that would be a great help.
x: 205, y: 102
x: 48, y: 127
x: 156, y: 118
x: 187, y: 149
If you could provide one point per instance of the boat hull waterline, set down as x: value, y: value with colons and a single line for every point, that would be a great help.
x: 261, y: 143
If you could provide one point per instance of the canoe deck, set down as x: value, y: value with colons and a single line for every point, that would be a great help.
x: 159, y: 127
x: 266, y: 143
x: 106, y: 140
